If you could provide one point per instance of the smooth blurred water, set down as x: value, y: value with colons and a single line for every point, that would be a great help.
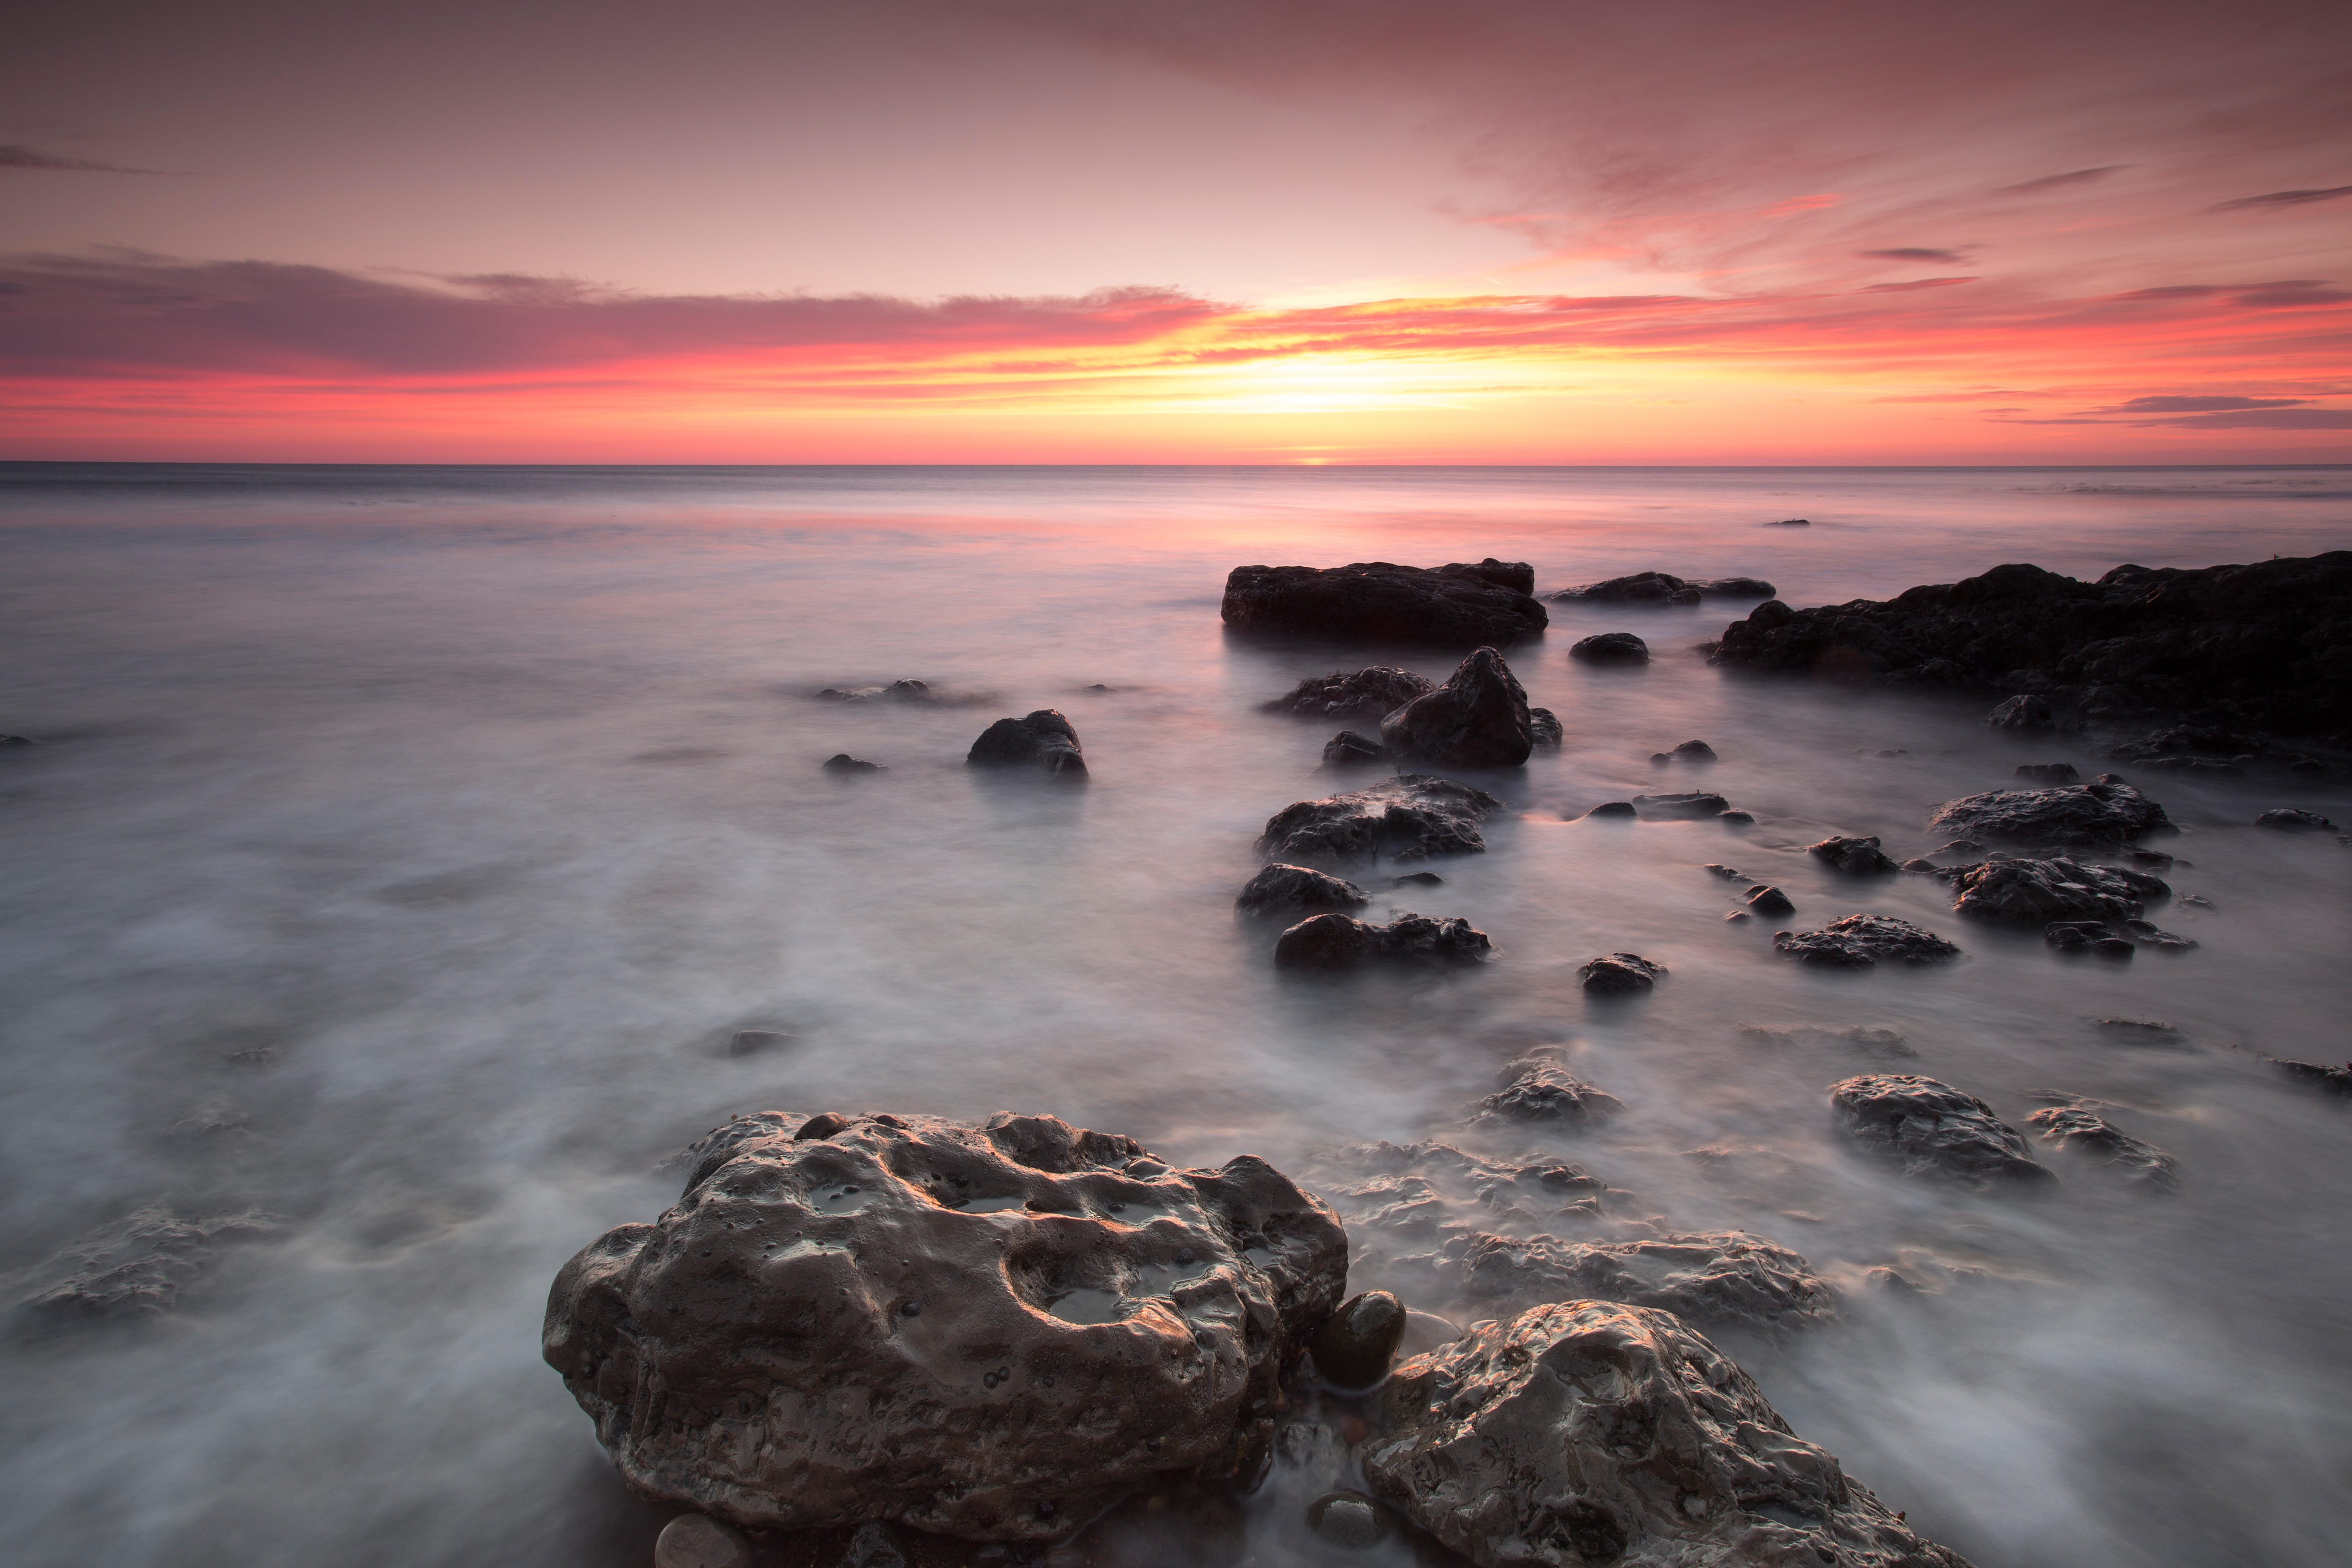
x: 486, y: 803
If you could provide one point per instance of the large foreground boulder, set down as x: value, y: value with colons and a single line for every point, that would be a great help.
x: 2062, y: 888
x: 1408, y: 817
x: 1934, y: 1133
x: 1371, y: 693
x: 2087, y: 813
x: 1335, y: 942
x: 1479, y: 719
x: 988, y: 1333
x: 1589, y: 1432
x: 1461, y: 606
x: 1043, y: 741
x: 1858, y: 942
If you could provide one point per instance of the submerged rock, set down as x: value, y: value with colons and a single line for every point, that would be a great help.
x: 1694, y: 751
x: 2049, y: 772
x: 1687, y: 805
x: 1621, y: 975
x: 1611, y: 648
x: 1858, y: 942
x: 1714, y: 1279
x: 2295, y: 821
x: 1861, y: 1038
x: 1281, y: 890
x: 1336, y: 941
x: 1614, y: 808
x: 1640, y: 588
x: 1540, y: 1089
x: 1378, y: 601
x: 1408, y: 817
x: 1934, y: 1131
x: 2071, y: 814
x: 2086, y: 1132
x: 2062, y: 888
x: 1034, y: 1318
x: 1588, y: 1432
x: 897, y: 692
x: 1855, y: 856
x: 1043, y: 741
x: 1479, y: 719
x: 2112, y: 939
x: 140, y: 1266
x: 1354, y: 1348
x: 1371, y: 693
x: 843, y: 762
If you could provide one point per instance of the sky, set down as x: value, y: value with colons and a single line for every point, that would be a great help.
x: 1224, y: 231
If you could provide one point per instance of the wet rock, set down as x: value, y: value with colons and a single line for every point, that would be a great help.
x: 1408, y: 817
x: 140, y: 1267
x: 1972, y: 847
x: 1855, y: 856
x: 2071, y: 814
x: 1934, y: 1133
x: 1544, y: 727
x: 1479, y: 719
x: 1350, y: 750
x: 1371, y: 693
x: 2112, y: 939
x: 1283, y: 889
x: 2295, y: 821
x: 843, y: 762
x: 1377, y: 601
x: 1043, y: 741
x: 1335, y: 942
x: 1611, y: 648
x: 1716, y: 1278
x: 1867, y: 1040
x: 1589, y: 1432
x: 2061, y: 888
x: 2086, y: 1132
x: 2021, y: 713
x: 1417, y: 880
x: 2335, y: 1081
x: 2049, y: 772
x: 1033, y: 1319
x: 1858, y: 942
x: 1767, y: 899
x: 699, y: 1540
x: 1621, y: 975
x: 1614, y: 808
x: 1689, y: 805
x: 1640, y: 588
x: 1736, y: 588
x: 2300, y: 765
x: 1350, y: 1520
x: 1353, y: 1350
x: 1539, y: 1087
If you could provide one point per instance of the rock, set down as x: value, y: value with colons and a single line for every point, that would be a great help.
x: 1694, y: 751
x: 1858, y: 942
x: 2300, y: 765
x: 1861, y: 1039
x: 1479, y: 719
x: 1855, y: 856
x: 2086, y: 1132
x: 1734, y: 916
x: 2142, y: 1029
x: 2196, y: 765
x: 1738, y: 819
x: 1349, y: 750
x: 1934, y: 1131
x: 1621, y: 975
x: 2070, y: 814
x: 2153, y: 857
x: 1539, y: 1089
x: 1335, y: 942
x: 2116, y: 938
x: 1282, y: 890
x: 15, y: 740
x: 1730, y: 873
x: 1371, y: 693
x: 2021, y: 713
x: 1544, y: 727
x: 1043, y: 741
x: 1614, y: 808
x: 2061, y: 888
x: 1408, y: 817
x: 1350, y: 1520
x: 1417, y: 880
x: 1353, y: 1350
x: 988, y: 1333
x: 2189, y: 742
x: 1686, y: 807
x: 2335, y: 1081
x: 1378, y: 601
x: 2295, y: 821
x: 1717, y: 1278
x: 1611, y: 648
x: 1641, y: 588
x: 1922, y: 865
x: 2049, y: 772
x: 843, y: 762
x: 1766, y: 899
x: 2267, y: 644
x: 758, y: 1042
x: 1736, y: 588
x: 897, y: 692
x: 699, y: 1540
x: 139, y: 1266
x: 1790, y: 522
x: 1588, y: 1432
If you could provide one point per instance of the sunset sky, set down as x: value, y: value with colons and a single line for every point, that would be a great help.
x: 1258, y: 231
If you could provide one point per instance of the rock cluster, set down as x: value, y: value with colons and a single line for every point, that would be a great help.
x: 1370, y: 693
x: 1462, y: 605
x: 1479, y: 719
x: 843, y: 762
x: 2061, y: 888
x: 1336, y: 941
x: 1286, y: 890
x: 1934, y: 1133
x: 1043, y: 741
x: 2089, y: 814
x: 1408, y: 817
x: 1858, y: 942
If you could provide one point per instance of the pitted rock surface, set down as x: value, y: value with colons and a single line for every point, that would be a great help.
x: 1371, y: 693
x: 1408, y: 817
x: 1590, y: 1432
x: 1855, y: 856
x: 2068, y: 813
x: 1934, y: 1131
x: 1711, y: 1279
x: 987, y: 1333
x: 1461, y: 604
x: 2086, y: 1132
x: 1335, y: 942
x: 1286, y: 890
x: 1043, y: 741
x: 1479, y: 719
x: 2061, y: 888
x: 1858, y: 942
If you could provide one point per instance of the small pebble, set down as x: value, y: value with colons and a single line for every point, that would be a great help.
x: 1349, y: 1520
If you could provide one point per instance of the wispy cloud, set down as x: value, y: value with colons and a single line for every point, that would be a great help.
x: 2194, y: 405
x: 2059, y: 182
x: 16, y: 157
x: 1911, y: 253
x: 2284, y: 199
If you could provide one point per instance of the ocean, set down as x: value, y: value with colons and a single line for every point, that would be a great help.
x: 401, y: 849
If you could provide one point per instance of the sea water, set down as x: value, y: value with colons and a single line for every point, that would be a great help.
x: 402, y: 847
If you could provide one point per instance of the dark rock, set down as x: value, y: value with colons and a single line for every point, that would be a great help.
x: 1641, y: 588
x: 1855, y: 856
x: 2086, y: 1132
x: 1736, y: 588
x: 15, y: 740
x: 843, y: 762
x: 1408, y: 817
x: 2335, y: 1081
x: 1858, y: 942
x: 2293, y: 820
x: 139, y: 1266
x: 1734, y: 916
x: 1417, y: 880
x: 1621, y: 975
x: 2154, y: 857
x: 699, y: 1540
x: 1479, y: 719
x: 1790, y: 522
x: 2267, y: 644
x: 1354, y: 1348
x: 1769, y: 900
x: 1284, y: 889
x: 1335, y: 942
x: 1544, y: 727
x: 1350, y: 1520
x: 2022, y: 714
x: 1970, y: 847
x: 1540, y: 1089
x: 1694, y: 751
x: 1738, y: 819
x: 1921, y: 864
x: 2196, y: 765
x: 1862, y: 1039
x: 1934, y: 1131
x: 2069, y: 814
x: 1714, y: 1279
x: 1371, y: 693
x: 1043, y: 741
x: 1349, y: 750
x: 2061, y: 888
x: 1690, y: 806
x: 2300, y: 765
x: 1614, y: 808
x: 1589, y: 1432
x: 760, y: 1042
x: 1611, y: 648
x: 1730, y: 873
x: 2049, y: 772
x: 2195, y: 741
x: 1378, y: 601
x: 712, y: 1348
x: 1515, y: 575
x: 2117, y: 939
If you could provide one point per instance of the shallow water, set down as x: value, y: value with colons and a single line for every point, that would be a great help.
x: 403, y: 847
